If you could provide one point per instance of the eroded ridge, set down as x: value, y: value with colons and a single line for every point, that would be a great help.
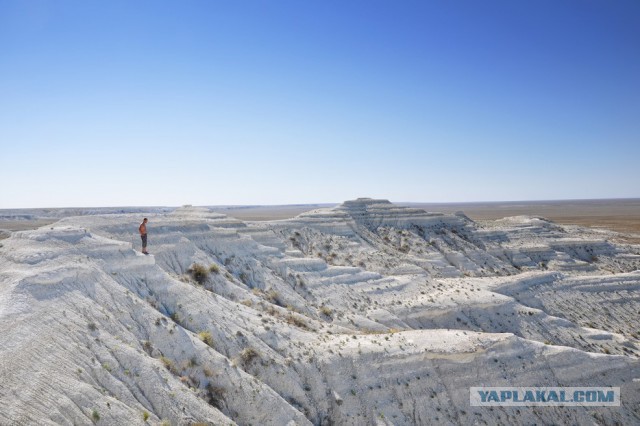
x: 360, y: 314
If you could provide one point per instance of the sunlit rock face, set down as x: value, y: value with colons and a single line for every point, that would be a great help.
x: 366, y: 313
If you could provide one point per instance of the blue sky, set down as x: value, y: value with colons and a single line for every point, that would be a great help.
x: 107, y: 103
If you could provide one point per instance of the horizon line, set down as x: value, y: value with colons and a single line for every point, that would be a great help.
x: 326, y: 203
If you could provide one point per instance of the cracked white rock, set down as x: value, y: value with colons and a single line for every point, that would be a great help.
x: 392, y: 312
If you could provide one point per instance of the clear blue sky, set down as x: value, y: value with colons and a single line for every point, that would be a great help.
x: 106, y: 103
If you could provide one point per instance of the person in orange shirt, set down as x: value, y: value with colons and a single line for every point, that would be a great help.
x: 143, y: 235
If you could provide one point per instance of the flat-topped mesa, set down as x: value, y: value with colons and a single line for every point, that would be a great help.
x: 376, y: 213
x: 364, y: 202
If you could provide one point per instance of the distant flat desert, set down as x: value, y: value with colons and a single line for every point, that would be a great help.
x: 620, y: 215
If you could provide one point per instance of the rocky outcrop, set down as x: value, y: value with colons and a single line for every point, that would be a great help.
x: 361, y: 314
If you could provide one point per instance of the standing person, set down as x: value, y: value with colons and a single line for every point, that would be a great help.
x: 143, y: 235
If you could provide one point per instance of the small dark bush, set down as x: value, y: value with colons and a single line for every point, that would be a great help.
x: 199, y: 273
x: 215, y: 395
x: 297, y: 321
x: 248, y: 354
x: 325, y: 310
x: 206, y: 337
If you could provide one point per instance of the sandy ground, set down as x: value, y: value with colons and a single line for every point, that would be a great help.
x: 615, y: 215
x: 9, y: 226
x: 621, y: 214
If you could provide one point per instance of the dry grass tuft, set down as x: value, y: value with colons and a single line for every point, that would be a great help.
x: 199, y: 273
x: 206, y: 337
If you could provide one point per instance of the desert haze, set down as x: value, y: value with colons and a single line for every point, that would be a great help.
x: 366, y: 312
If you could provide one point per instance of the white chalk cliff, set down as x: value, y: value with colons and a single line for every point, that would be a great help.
x: 366, y: 313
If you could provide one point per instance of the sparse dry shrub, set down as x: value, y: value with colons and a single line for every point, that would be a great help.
x: 214, y: 268
x: 247, y: 302
x: 215, y: 395
x: 248, y: 354
x: 206, y: 337
x: 325, y: 310
x: 193, y: 362
x: 274, y: 297
x: 168, y: 364
x: 195, y: 382
x: 292, y: 308
x: 199, y: 273
x: 297, y: 321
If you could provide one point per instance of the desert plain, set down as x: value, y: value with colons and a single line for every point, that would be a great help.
x: 621, y: 215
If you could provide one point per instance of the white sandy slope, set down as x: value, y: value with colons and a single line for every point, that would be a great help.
x: 367, y: 313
